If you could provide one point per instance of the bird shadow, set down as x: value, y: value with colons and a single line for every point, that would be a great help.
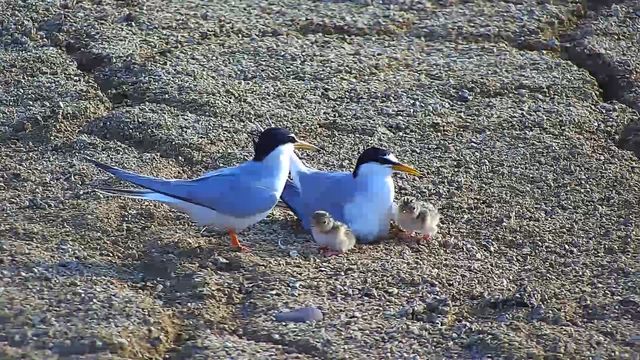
x: 167, y: 270
x: 67, y: 268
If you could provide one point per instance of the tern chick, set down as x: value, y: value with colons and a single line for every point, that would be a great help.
x: 416, y: 217
x: 333, y: 236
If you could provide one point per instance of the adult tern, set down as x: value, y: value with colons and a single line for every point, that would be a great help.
x: 362, y: 199
x: 229, y: 199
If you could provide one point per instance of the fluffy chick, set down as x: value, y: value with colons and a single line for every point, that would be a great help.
x: 413, y: 216
x: 333, y: 236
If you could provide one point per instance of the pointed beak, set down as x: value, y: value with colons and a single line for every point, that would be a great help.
x: 303, y: 145
x: 405, y: 169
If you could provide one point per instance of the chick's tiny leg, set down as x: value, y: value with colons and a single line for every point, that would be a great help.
x: 395, y: 229
x: 406, y: 235
x: 235, y: 243
x: 330, y: 252
x: 426, y: 237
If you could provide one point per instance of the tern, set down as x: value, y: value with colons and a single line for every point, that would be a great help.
x: 362, y: 199
x: 412, y: 216
x: 331, y: 235
x: 228, y: 199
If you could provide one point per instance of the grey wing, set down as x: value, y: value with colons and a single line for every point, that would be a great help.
x: 235, y: 195
x: 326, y: 191
x: 231, y: 191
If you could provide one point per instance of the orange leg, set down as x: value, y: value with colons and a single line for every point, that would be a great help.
x: 235, y: 243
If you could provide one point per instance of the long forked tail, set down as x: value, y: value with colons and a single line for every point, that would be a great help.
x: 151, y: 195
x: 131, y: 193
x: 168, y: 191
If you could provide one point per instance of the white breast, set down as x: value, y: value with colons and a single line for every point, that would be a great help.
x: 408, y: 222
x: 323, y: 239
x: 369, y: 213
x: 334, y: 240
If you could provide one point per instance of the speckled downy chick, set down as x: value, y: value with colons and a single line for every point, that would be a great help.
x: 413, y: 216
x: 333, y: 236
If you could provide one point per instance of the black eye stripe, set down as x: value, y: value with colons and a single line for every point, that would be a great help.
x: 373, y: 154
x: 269, y: 140
x: 385, y: 161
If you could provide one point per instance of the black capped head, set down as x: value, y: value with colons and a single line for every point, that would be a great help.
x: 373, y: 155
x: 271, y: 138
x: 384, y: 158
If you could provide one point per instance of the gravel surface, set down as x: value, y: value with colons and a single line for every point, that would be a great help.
x: 498, y: 104
x: 607, y: 43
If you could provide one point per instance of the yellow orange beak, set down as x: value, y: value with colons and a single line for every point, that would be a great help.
x: 303, y: 145
x: 405, y: 169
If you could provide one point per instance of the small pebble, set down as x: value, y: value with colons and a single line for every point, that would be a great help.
x: 446, y: 243
x: 392, y: 291
x: 461, y: 327
x: 464, y: 96
x: 615, y: 11
x: 19, y: 39
x: 305, y: 314
x: 634, y: 340
x: 502, y: 318
x: 553, y: 43
x: 36, y: 203
x: 537, y: 313
x: 370, y: 293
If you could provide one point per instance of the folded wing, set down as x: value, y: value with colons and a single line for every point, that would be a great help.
x: 230, y: 192
x: 319, y: 190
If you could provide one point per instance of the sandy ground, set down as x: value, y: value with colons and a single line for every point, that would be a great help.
x: 513, y: 110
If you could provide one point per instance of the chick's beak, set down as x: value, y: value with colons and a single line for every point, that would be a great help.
x: 405, y: 169
x: 303, y: 145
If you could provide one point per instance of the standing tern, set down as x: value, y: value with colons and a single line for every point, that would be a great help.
x: 414, y: 216
x: 333, y: 236
x: 229, y: 199
x: 362, y: 199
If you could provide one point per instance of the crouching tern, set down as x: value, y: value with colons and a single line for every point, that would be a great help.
x: 362, y: 199
x: 228, y: 199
